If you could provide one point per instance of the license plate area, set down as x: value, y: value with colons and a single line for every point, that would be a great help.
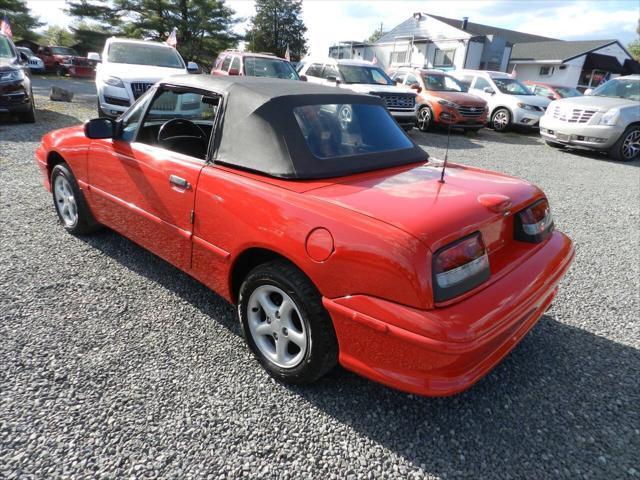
x: 564, y: 137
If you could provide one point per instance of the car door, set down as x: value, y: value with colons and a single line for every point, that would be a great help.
x: 144, y: 188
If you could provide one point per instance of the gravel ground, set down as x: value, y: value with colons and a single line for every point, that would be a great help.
x: 114, y: 363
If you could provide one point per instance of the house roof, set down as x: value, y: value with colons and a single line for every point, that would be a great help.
x: 411, y: 27
x: 562, y: 50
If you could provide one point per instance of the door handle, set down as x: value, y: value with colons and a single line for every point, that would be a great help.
x: 179, y: 182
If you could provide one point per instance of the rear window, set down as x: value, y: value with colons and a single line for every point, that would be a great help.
x: 343, y: 130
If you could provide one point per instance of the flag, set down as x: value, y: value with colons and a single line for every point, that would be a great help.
x: 375, y: 59
x: 287, y: 54
x: 172, y: 41
x: 514, y: 73
x: 5, y: 27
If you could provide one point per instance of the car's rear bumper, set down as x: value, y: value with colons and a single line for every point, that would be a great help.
x: 596, y: 137
x: 428, y: 352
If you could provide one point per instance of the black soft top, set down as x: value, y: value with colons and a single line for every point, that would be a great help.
x: 259, y: 131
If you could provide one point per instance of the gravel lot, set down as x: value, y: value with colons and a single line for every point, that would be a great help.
x: 114, y: 363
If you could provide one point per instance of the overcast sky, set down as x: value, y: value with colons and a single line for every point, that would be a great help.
x: 330, y: 21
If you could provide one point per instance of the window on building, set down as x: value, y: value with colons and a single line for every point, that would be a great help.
x: 398, y: 57
x: 546, y: 71
x: 444, y: 58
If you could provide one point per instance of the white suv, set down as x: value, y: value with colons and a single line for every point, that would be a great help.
x: 129, y: 67
x: 363, y: 77
x: 510, y: 101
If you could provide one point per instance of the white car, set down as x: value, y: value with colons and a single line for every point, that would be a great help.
x: 363, y: 77
x: 128, y: 68
x: 510, y: 101
x: 34, y: 63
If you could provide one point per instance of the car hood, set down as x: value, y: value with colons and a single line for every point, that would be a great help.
x: 413, y: 199
x: 466, y: 99
x: 8, y: 63
x: 536, y: 100
x: 148, y: 73
x: 593, y: 102
x: 366, y: 88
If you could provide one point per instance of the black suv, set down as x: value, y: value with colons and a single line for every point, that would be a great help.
x: 16, y: 96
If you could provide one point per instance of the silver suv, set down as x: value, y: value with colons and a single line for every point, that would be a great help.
x: 607, y: 120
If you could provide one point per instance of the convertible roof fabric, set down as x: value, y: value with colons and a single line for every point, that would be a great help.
x: 259, y: 132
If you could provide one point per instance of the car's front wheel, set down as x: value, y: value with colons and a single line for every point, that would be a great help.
x: 425, y: 119
x: 285, y: 324
x: 70, y: 203
x: 501, y: 120
x: 627, y: 148
x: 30, y: 116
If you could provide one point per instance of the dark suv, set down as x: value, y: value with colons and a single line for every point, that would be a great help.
x: 234, y: 62
x: 16, y: 96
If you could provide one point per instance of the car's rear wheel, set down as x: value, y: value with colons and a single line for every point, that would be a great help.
x: 425, y: 119
x: 554, y: 144
x: 70, y: 203
x: 627, y: 148
x: 285, y: 325
x: 501, y: 120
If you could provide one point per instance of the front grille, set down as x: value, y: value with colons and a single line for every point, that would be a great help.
x: 572, y: 115
x: 397, y: 101
x: 116, y: 101
x: 472, y: 112
x: 33, y: 62
x: 138, y: 88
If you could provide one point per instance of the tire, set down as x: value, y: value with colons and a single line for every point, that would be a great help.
x: 74, y: 214
x: 30, y: 116
x: 304, y: 335
x: 60, y: 71
x: 425, y: 119
x: 501, y: 120
x: 554, y: 144
x: 627, y: 148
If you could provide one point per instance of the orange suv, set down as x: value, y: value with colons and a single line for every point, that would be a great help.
x: 442, y: 100
x: 235, y: 62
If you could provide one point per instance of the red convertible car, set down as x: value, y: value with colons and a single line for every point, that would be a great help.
x: 314, y: 212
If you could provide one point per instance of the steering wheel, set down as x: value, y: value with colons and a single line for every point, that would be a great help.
x: 183, y: 136
x: 179, y: 128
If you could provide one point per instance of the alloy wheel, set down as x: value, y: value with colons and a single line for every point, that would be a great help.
x: 276, y: 326
x: 65, y: 201
x: 631, y: 145
x: 424, y: 119
x: 501, y: 120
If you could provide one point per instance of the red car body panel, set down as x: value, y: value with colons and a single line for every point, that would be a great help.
x: 76, y: 66
x: 365, y: 240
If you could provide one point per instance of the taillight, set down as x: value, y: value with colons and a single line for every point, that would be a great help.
x: 459, y: 267
x: 534, y: 223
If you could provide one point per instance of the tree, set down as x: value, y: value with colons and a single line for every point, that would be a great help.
x: 23, y: 23
x: 376, y: 35
x: 204, y: 26
x: 276, y: 25
x: 634, y: 47
x: 55, y: 35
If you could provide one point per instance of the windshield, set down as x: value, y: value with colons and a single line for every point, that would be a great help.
x: 442, y: 83
x: 64, y: 51
x: 566, y: 92
x: 269, y: 67
x: 364, y: 74
x: 142, y: 54
x: 25, y: 50
x: 619, y: 88
x: 5, y: 48
x: 511, y: 86
x: 342, y: 130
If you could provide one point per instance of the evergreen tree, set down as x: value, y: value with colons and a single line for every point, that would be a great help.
x: 204, y: 26
x: 23, y: 23
x: 276, y: 25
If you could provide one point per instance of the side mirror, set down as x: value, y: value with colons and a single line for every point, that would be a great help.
x: 99, y: 128
x: 333, y: 79
x: 192, y: 67
x: 416, y: 87
x: 303, y: 78
x: 95, y: 56
x: 551, y: 97
x: 488, y: 90
x: 588, y: 91
x: 234, y: 71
